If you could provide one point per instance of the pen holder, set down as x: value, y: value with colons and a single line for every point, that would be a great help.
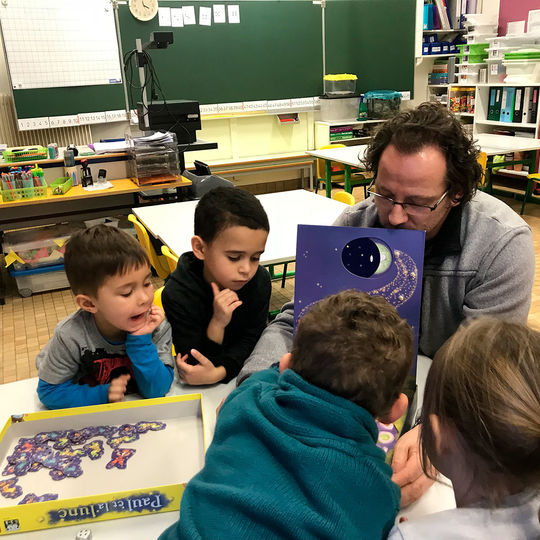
x: 73, y: 173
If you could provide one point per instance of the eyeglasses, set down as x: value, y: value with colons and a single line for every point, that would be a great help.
x: 412, y: 209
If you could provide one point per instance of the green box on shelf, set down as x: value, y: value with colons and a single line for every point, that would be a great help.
x: 473, y: 48
x: 36, y: 192
x: 28, y: 153
x: 61, y: 185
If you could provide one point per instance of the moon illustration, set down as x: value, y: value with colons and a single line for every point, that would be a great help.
x: 366, y: 257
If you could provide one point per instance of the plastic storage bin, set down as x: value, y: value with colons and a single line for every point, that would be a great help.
x: 340, y: 84
x: 29, y: 153
x: 38, y: 247
x: 35, y: 192
x: 61, y: 185
x: 40, y: 279
x: 342, y: 108
x: 382, y: 103
x: 522, y: 71
x: 473, y: 48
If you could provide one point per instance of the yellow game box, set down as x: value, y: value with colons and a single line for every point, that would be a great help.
x: 85, y: 464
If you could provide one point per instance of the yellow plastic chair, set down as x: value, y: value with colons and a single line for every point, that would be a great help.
x: 159, y: 303
x: 172, y: 260
x: 337, y: 168
x: 344, y: 197
x: 158, y: 262
x: 482, y: 160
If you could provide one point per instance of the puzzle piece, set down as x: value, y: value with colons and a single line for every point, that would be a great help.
x: 143, y: 427
x: 119, y: 458
x: 33, y: 498
x: 94, y: 450
x: 115, y: 442
x: 10, y: 489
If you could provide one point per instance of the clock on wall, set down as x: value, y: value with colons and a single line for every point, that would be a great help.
x: 144, y: 10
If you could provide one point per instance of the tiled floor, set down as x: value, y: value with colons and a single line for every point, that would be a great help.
x: 26, y: 324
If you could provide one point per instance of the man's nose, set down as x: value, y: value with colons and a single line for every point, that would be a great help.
x: 397, y: 215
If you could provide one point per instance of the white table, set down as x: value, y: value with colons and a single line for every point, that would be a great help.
x: 173, y: 223
x: 350, y: 156
x: 492, y: 145
x: 20, y: 397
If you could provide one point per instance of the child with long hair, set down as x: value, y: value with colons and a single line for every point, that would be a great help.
x: 481, y: 429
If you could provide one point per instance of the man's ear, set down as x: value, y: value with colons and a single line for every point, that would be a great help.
x: 456, y: 199
x: 399, y: 408
x: 198, y: 246
x: 285, y: 362
x: 86, y: 302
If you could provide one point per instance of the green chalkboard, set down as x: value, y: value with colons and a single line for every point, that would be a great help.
x: 275, y: 52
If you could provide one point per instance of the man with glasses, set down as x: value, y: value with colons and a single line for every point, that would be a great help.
x: 479, y: 256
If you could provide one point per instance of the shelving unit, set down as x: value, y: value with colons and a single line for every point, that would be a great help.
x: 322, y: 131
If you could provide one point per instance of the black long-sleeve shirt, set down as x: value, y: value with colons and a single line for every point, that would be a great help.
x: 188, y: 303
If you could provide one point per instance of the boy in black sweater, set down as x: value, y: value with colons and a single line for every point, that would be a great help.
x: 218, y: 297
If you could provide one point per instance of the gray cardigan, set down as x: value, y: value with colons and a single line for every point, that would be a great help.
x: 488, y: 270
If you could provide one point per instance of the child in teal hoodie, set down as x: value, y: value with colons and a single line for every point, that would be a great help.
x: 294, y: 453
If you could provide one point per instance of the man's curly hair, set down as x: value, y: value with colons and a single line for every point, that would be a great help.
x: 430, y: 124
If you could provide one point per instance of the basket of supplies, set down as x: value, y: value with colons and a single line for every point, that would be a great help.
x: 28, y: 153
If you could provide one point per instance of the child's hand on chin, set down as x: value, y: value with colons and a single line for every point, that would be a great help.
x: 152, y: 320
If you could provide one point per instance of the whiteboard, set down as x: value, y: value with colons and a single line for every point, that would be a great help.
x: 53, y: 43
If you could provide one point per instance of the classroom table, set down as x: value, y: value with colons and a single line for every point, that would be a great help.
x: 173, y: 223
x: 20, y: 397
x: 75, y: 205
x: 494, y: 145
x: 349, y: 156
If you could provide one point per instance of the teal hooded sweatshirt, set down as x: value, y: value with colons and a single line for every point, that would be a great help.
x: 289, y: 460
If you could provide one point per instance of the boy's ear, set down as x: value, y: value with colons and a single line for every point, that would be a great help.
x: 86, y: 302
x: 198, y: 246
x: 285, y: 362
x: 399, y: 408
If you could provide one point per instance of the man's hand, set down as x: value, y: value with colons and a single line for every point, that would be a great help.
x: 117, y: 388
x: 152, y: 320
x: 203, y: 373
x: 408, y: 473
x: 225, y: 302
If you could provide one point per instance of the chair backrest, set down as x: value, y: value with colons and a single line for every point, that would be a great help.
x: 159, y: 303
x: 157, y: 297
x: 172, y: 260
x: 162, y: 269
x: 482, y: 159
x: 321, y: 167
x: 344, y: 197
x: 201, y: 185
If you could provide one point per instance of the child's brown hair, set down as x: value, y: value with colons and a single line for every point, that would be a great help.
x: 355, y: 346
x: 484, y: 384
x: 94, y: 254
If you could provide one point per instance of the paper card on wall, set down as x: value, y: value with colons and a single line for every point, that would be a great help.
x: 219, y: 13
x: 177, y: 19
x: 189, y: 15
x: 164, y: 15
x: 381, y: 262
x: 234, y: 14
x: 205, y: 16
